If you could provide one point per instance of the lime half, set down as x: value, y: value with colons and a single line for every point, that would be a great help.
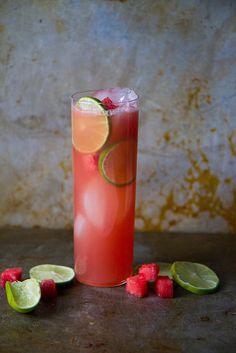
x: 23, y: 296
x: 60, y: 274
x: 194, y: 277
x: 90, y: 125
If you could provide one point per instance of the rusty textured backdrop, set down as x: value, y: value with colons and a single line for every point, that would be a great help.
x: 180, y: 56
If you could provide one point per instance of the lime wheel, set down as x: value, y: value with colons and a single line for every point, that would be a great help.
x: 90, y: 125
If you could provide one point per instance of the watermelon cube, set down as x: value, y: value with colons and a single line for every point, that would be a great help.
x: 164, y: 287
x: 137, y: 285
x: 10, y: 275
x: 7, y: 277
x: 150, y: 271
x: 17, y: 271
x: 48, y: 289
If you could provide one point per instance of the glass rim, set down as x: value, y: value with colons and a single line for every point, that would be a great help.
x: 101, y: 89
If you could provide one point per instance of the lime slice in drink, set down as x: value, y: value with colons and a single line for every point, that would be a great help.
x: 90, y: 126
x: 23, y: 296
x: 194, y: 277
x: 117, y: 163
x: 60, y: 274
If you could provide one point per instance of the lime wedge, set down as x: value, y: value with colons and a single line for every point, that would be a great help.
x: 90, y: 125
x: 23, y: 296
x: 117, y: 162
x: 60, y: 274
x: 194, y: 277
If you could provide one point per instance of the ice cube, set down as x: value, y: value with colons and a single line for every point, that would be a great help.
x: 125, y: 95
x: 101, y: 94
x: 116, y: 94
x: 99, y: 212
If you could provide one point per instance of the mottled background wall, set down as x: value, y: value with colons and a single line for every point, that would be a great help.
x: 180, y: 56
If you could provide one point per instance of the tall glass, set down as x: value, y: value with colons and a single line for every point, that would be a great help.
x: 104, y: 170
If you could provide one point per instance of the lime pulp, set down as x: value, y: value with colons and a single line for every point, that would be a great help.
x: 90, y: 104
x: 23, y: 296
x: 90, y: 127
x: 60, y: 274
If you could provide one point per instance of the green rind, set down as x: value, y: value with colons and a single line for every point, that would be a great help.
x: 189, y: 287
x: 68, y: 281
x: 102, y: 157
x: 13, y: 304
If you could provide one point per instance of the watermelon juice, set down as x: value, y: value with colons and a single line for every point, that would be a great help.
x: 104, y: 137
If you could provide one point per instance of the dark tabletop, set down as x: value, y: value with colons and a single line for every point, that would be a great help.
x: 89, y: 319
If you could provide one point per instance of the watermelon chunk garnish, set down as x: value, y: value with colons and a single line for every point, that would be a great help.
x: 108, y: 104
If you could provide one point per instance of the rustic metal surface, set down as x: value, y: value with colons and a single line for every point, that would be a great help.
x: 105, y: 320
x: 179, y: 55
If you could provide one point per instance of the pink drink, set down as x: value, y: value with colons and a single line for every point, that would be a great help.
x: 104, y: 193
